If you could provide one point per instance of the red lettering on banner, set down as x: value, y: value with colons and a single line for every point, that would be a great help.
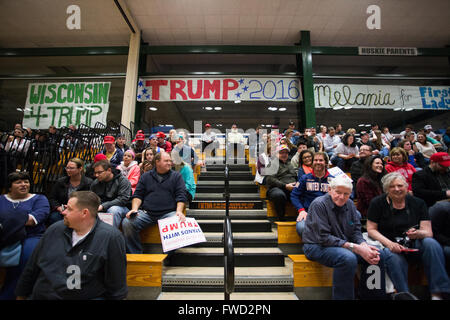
x: 228, y: 84
x: 155, y: 84
x: 214, y: 87
x: 165, y: 229
x: 176, y: 87
x: 198, y: 93
x: 173, y: 226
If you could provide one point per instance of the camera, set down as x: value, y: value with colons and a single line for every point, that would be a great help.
x: 404, y: 241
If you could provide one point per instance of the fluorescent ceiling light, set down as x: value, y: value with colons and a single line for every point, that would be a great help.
x: 272, y: 108
x: 208, y: 108
x: 217, y: 108
x: 397, y: 109
x: 348, y: 107
x: 153, y: 108
x: 237, y: 101
x: 409, y: 109
x: 361, y: 125
x: 282, y: 109
x: 338, y: 108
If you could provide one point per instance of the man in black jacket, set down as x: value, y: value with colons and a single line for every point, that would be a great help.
x: 432, y: 184
x: 80, y: 258
x: 160, y: 193
x: 113, y: 189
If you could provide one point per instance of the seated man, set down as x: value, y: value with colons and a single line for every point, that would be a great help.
x: 432, y: 184
x: 160, y: 193
x: 114, y: 190
x: 333, y: 237
x: 162, y: 142
x: 281, y: 183
x: 356, y: 168
x: 79, y: 258
x: 139, y: 145
x: 310, y: 186
x: 331, y: 142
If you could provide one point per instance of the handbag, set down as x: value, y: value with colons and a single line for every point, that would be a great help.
x: 10, y: 255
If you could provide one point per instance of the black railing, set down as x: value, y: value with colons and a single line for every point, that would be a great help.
x: 228, y: 242
x: 44, y: 156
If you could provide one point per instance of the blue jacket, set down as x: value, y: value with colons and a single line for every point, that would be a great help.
x: 117, y: 157
x: 159, y: 198
x: 309, y: 187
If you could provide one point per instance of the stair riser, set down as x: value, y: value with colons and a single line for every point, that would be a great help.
x: 217, y: 260
x: 220, y: 205
x: 237, y: 227
x: 232, y: 188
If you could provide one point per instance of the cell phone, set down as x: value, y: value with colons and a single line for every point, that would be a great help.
x: 133, y: 214
x: 409, y: 250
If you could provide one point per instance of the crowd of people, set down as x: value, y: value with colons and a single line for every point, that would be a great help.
x: 396, y: 184
x: 400, y: 183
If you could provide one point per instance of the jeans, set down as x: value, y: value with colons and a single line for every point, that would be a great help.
x: 131, y: 228
x: 345, y: 263
x: 432, y: 257
x: 279, y: 197
x: 13, y: 273
x: 300, y: 226
x: 119, y: 213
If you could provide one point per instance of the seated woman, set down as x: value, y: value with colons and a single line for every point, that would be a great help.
x: 399, y: 162
x: 415, y: 158
x: 188, y: 176
x: 369, y: 184
x: 130, y: 169
x: 346, y: 152
x: 74, y: 181
x: 400, y: 222
x: 305, y: 163
x: 22, y: 215
x: 425, y: 147
x: 147, y: 160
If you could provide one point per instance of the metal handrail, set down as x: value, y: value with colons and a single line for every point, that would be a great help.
x: 228, y: 242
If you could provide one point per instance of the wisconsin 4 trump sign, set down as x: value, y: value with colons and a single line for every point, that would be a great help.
x: 219, y: 89
x: 175, y: 234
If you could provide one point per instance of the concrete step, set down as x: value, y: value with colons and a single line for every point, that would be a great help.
x: 234, y: 214
x: 233, y: 196
x: 220, y: 188
x: 219, y: 204
x: 232, y: 167
x: 241, y: 239
x: 257, y: 296
x: 214, y: 257
x: 236, y: 225
x: 248, y: 279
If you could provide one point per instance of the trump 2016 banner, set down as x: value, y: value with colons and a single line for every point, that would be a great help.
x: 63, y: 104
x: 175, y: 234
x: 219, y: 89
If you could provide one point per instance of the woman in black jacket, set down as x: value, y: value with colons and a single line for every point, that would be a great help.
x: 74, y: 181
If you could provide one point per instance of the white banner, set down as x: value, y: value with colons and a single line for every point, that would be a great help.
x: 381, y: 97
x: 175, y: 234
x: 62, y: 104
x: 219, y: 89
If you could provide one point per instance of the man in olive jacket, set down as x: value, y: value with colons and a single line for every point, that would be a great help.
x: 282, y: 183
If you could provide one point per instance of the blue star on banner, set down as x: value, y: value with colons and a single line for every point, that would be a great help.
x: 241, y: 81
x: 238, y: 94
x: 139, y: 96
x: 144, y: 91
x: 147, y: 97
x: 245, y: 88
x: 140, y: 83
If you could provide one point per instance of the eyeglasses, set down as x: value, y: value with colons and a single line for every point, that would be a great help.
x: 306, y: 157
x: 71, y: 168
x: 97, y: 173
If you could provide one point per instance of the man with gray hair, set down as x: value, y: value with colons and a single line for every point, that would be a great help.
x: 79, y: 258
x: 332, y: 237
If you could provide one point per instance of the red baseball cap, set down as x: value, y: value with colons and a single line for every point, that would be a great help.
x: 99, y: 157
x: 443, y: 158
x: 160, y: 134
x: 109, y: 139
x: 207, y: 125
x: 140, y: 137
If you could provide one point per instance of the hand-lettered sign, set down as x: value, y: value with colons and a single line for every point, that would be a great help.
x: 62, y: 104
x: 219, y: 89
x: 175, y: 234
